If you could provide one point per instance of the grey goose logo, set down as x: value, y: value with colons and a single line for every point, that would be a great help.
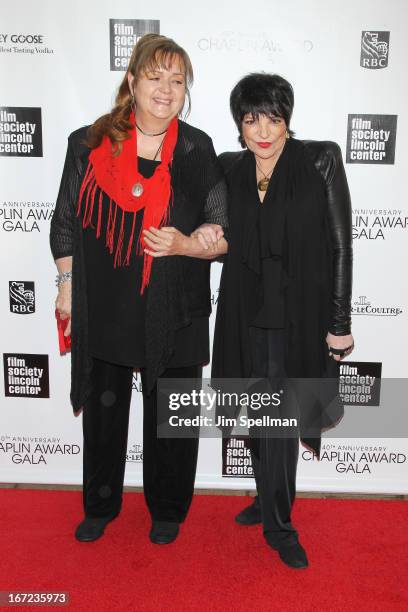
x: 22, y: 43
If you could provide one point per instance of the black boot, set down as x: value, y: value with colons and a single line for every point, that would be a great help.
x: 250, y: 515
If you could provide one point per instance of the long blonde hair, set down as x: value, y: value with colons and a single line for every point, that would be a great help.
x: 152, y: 51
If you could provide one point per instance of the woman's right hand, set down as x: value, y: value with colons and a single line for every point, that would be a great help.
x: 63, y: 304
x: 208, y: 235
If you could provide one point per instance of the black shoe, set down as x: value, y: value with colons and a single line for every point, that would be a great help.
x: 91, y: 529
x: 293, y: 554
x: 163, y: 532
x: 251, y: 515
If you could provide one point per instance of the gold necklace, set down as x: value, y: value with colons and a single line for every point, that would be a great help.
x: 264, y: 182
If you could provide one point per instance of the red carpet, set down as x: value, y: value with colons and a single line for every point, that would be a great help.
x: 358, y: 553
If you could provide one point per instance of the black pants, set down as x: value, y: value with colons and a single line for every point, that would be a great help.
x: 274, y: 459
x: 169, y: 465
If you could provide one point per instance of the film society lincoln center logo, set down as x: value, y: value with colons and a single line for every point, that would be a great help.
x: 375, y: 47
x: 236, y: 458
x: 22, y: 297
x: 360, y: 383
x: 26, y: 375
x: 124, y: 34
x: 20, y: 131
x: 371, y: 139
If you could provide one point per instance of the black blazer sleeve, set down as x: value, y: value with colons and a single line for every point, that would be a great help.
x: 215, y: 209
x: 328, y: 160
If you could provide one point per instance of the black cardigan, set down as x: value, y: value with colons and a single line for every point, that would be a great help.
x: 179, y: 287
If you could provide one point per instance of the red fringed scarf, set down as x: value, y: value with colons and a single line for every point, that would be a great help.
x: 115, y: 176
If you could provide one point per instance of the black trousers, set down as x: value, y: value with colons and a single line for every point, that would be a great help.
x: 274, y: 459
x: 169, y: 465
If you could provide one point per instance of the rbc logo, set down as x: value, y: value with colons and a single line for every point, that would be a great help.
x: 22, y: 297
x: 374, y: 49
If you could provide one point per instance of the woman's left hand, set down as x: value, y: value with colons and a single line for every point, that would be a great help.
x: 165, y: 241
x: 340, y: 342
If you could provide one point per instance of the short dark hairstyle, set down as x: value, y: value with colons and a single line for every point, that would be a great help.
x: 260, y: 93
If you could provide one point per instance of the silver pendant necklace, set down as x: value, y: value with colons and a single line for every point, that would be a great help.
x: 138, y: 189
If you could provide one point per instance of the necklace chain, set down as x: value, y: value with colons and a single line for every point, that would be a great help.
x: 138, y: 189
x: 268, y: 175
x: 158, y: 150
x: 263, y: 183
x: 150, y: 135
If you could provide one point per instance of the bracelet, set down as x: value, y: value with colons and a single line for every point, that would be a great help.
x: 341, y: 352
x: 63, y: 277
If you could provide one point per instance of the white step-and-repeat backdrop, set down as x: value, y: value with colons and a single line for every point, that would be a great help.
x: 61, y: 63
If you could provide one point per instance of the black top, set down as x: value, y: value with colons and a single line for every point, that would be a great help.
x: 179, y: 288
x: 272, y: 311
x: 116, y: 309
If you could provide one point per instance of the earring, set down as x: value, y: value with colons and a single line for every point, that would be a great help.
x: 133, y: 102
x: 287, y: 134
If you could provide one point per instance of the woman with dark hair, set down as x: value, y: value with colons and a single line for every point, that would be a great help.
x: 135, y: 186
x: 284, y: 301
